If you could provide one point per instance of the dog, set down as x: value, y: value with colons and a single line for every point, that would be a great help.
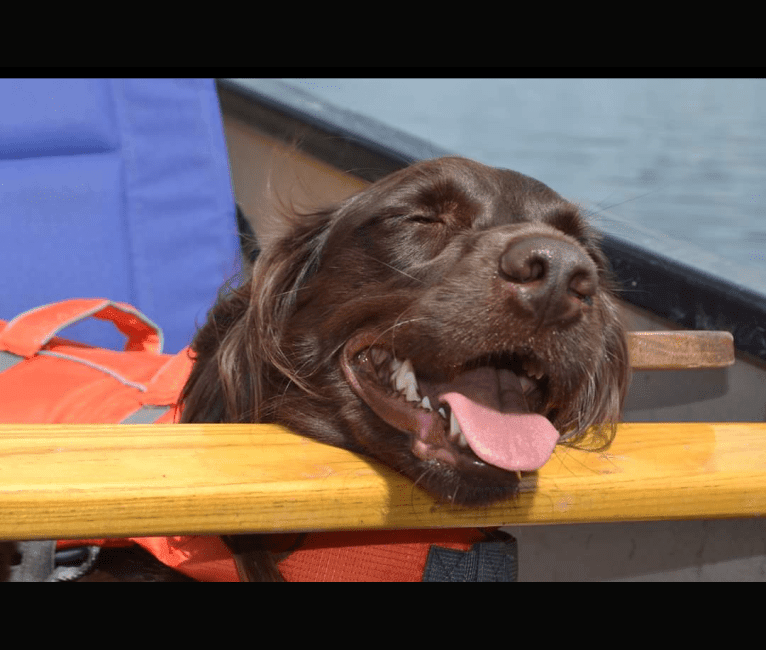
x: 453, y: 321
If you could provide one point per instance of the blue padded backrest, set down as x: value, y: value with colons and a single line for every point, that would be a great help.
x: 116, y: 189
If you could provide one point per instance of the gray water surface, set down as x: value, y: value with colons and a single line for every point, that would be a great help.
x: 685, y: 157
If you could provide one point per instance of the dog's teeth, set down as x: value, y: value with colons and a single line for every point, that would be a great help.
x: 426, y: 404
x: 518, y: 474
x: 454, y: 426
x: 404, y: 380
x: 455, y: 432
x: 527, y: 385
x: 399, y: 377
x: 378, y: 355
x: 442, y: 412
x: 395, y: 365
x: 533, y: 368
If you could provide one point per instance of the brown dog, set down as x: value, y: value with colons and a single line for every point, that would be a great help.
x: 453, y: 321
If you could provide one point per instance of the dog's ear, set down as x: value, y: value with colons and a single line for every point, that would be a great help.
x: 288, y: 263
x: 240, y: 344
x: 207, y: 397
x: 592, y: 416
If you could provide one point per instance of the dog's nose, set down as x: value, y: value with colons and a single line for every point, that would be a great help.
x: 551, y: 279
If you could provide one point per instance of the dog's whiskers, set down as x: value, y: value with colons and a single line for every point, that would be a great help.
x: 393, y: 268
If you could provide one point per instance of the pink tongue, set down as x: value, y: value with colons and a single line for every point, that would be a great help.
x: 490, y: 407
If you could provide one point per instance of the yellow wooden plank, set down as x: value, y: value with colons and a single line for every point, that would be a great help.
x: 60, y: 481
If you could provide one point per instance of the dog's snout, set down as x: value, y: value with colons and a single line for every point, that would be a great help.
x: 553, y: 280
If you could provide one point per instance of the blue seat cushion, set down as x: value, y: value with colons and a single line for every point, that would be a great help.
x: 117, y: 189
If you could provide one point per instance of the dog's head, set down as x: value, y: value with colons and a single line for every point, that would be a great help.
x: 453, y: 321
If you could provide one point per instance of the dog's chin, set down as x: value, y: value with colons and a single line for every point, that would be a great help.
x: 473, y: 435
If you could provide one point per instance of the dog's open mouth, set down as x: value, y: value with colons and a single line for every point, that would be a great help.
x: 482, y: 415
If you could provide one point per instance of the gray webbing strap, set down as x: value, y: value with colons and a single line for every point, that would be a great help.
x: 146, y: 415
x: 8, y: 360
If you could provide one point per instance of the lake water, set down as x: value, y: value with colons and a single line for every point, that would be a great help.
x: 686, y: 157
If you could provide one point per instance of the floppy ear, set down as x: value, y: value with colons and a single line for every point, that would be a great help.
x: 595, y: 412
x: 241, y: 341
